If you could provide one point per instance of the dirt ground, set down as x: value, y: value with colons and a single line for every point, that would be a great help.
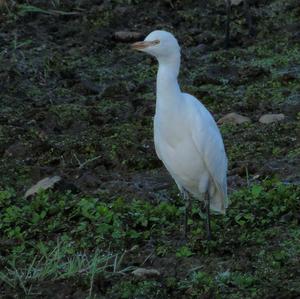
x: 77, y: 102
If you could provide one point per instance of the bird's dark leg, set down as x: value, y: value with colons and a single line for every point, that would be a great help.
x: 248, y: 17
x: 227, y: 33
x: 207, y: 205
x: 188, y: 205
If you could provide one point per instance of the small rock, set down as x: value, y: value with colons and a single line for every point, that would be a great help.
x: 128, y: 36
x: 145, y: 273
x: 43, y: 184
x: 271, y: 118
x: 234, y: 118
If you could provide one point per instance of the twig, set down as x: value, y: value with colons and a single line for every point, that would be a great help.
x: 88, y: 161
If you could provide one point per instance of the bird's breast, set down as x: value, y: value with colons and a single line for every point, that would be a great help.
x: 177, y: 151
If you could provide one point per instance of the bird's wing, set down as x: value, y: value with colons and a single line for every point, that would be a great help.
x: 208, y: 140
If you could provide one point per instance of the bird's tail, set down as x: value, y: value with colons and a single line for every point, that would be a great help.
x: 218, y: 198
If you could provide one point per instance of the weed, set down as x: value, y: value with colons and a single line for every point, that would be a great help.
x: 56, y: 264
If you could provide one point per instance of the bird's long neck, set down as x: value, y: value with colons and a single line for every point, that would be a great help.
x: 167, y: 88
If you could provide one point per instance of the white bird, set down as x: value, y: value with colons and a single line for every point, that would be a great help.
x: 186, y: 137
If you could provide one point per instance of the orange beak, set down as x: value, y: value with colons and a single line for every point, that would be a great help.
x: 144, y: 44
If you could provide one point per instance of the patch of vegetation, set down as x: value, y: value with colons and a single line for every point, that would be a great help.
x: 262, y: 223
x: 58, y: 264
x: 54, y: 213
x: 71, y: 94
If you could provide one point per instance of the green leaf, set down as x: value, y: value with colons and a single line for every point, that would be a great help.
x: 256, y: 191
x: 184, y: 251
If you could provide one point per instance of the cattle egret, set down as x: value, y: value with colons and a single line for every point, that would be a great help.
x: 186, y: 137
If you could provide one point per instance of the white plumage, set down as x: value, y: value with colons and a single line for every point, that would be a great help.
x: 186, y: 137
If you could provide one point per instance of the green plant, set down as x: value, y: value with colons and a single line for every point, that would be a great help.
x: 184, y: 251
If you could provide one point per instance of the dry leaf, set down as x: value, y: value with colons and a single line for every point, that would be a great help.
x: 43, y: 184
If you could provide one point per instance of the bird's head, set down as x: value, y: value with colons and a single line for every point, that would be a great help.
x: 160, y: 44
